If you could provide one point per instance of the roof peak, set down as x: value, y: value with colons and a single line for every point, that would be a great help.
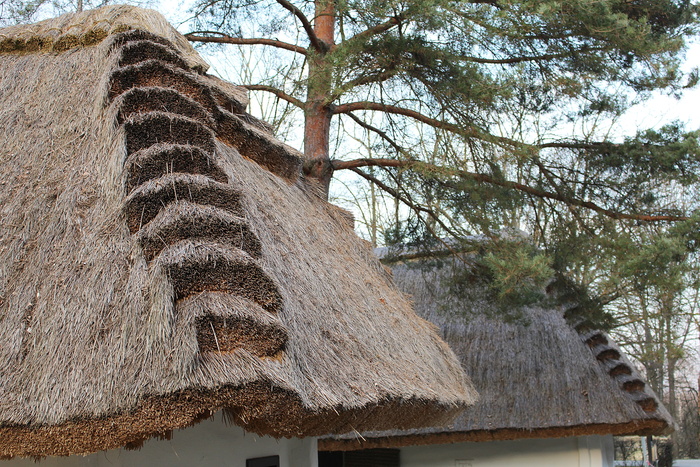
x: 91, y: 27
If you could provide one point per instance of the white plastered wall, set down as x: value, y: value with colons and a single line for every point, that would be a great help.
x: 584, y: 451
x: 209, y: 443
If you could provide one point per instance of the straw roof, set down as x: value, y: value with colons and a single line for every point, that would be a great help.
x: 537, y: 376
x: 163, y: 257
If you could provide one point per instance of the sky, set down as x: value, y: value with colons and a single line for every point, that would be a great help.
x: 664, y: 109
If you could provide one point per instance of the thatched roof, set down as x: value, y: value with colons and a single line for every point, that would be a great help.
x: 536, y: 374
x: 163, y: 257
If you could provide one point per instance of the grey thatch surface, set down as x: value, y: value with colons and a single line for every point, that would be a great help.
x: 153, y: 271
x: 536, y: 375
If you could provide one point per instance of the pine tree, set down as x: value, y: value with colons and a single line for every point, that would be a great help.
x: 459, y: 67
x: 464, y: 106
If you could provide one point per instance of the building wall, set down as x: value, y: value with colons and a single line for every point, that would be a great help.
x: 584, y: 451
x: 209, y: 443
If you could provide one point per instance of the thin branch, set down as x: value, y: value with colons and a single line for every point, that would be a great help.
x: 376, y: 130
x: 316, y: 43
x: 407, y: 201
x: 366, y: 105
x: 573, y: 145
x: 363, y: 80
x: 354, y: 165
x: 277, y: 92
x: 197, y: 36
x: 471, y: 132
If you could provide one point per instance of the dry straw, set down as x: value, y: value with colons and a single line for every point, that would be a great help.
x: 159, y: 264
x: 537, y: 377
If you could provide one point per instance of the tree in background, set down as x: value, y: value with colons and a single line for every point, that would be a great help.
x: 22, y: 11
x: 473, y: 109
x: 460, y: 67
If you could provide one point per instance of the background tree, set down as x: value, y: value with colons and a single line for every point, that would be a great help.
x: 473, y: 110
x: 456, y: 66
x: 21, y: 11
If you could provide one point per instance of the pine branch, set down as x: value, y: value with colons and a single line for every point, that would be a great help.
x: 316, y: 43
x: 354, y: 165
x: 374, y: 30
x: 277, y: 92
x: 460, y: 130
x: 196, y: 36
x: 514, y: 60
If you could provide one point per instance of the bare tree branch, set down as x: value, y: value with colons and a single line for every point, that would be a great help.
x: 277, y: 92
x: 405, y: 200
x: 470, y: 132
x: 376, y: 130
x: 354, y: 165
x: 362, y: 80
x: 196, y: 36
x: 367, y: 105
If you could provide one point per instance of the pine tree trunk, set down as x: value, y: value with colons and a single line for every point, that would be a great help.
x: 318, y: 108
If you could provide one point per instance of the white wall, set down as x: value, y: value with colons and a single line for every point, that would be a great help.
x: 209, y: 443
x: 585, y: 451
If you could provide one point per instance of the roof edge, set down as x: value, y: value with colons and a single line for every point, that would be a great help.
x: 647, y: 427
x: 261, y: 407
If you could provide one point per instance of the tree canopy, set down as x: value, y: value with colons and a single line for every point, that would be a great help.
x: 480, y: 70
x: 484, y: 115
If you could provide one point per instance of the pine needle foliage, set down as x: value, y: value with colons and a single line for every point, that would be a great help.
x: 490, y: 116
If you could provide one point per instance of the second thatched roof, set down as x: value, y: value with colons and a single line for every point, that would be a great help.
x: 536, y: 374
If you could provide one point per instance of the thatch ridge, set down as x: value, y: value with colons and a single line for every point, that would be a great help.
x: 196, y: 266
x: 138, y: 51
x: 103, y: 343
x: 156, y: 127
x: 161, y: 159
x: 183, y: 220
x: 226, y: 322
x: 537, y: 377
x: 145, y: 201
x: 150, y: 99
x: 153, y: 73
x: 234, y: 127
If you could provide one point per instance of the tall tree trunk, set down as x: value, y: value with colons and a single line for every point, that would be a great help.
x: 672, y: 359
x: 649, y: 351
x: 374, y: 221
x: 318, y: 108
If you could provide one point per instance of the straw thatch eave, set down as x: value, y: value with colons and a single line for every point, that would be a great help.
x: 259, y: 298
x: 538, y: 377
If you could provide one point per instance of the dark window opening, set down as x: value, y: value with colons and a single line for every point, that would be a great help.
x: 269, y: 461
x: 363, y: 458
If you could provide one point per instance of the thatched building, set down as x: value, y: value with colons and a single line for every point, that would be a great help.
x: 550, y: 391
x: 163, y: 257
